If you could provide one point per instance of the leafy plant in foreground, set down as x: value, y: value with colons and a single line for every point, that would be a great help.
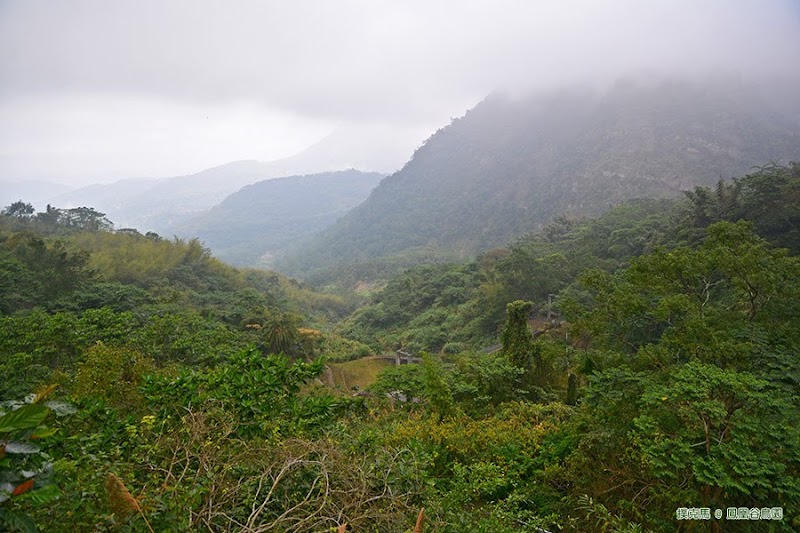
x: 25, y: 469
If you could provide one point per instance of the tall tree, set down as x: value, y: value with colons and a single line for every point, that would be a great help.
x: 19, y: 209
x: 516, y: 335
x: 698, y: 378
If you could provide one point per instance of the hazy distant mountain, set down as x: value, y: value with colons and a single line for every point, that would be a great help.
x: 511, y: 164
x: 162, y: 204
x: 253, y: 225
x: 31, y: 191
x: 105, y: 197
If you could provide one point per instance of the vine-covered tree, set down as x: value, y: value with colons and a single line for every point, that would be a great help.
x: 516, y: 335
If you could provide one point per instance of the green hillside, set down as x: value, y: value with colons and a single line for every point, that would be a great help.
x: 636, y: 362
x: 455, y: 306
x: 512, y: 164
x: 259, y: 222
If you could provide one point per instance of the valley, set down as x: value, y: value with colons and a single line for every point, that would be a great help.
x: 597, y: 296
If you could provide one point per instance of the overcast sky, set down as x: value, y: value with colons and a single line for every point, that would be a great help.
x: 100, y: 90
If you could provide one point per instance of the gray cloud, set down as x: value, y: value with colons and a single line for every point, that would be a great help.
x: 309, y: 66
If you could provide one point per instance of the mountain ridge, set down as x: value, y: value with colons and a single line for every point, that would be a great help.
x: 264, y: 218
x: 161, y: 204
x: 510, y: 165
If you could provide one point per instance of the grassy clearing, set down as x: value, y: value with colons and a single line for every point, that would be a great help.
x: 359, y: 373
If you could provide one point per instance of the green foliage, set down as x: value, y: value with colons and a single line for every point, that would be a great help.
x: 602, y: 519
x: 572, y: 390
x: 666, y: 376
x: 22, y: 372
x: 18, y: 209
x: 486, y: 473
x: 681, y: 297
x: 516, y: 335
x: 298, y: 206
x: 280, y: 332
x: 437, y: 390
x: 41, y: 341
x: 116, y: 296
x: 188, y: 307
x: 260, y: 391
x: 723, y: 430
x: 686, y: 405
x: 35, y: 343
x: 187, y: 337
x: 84, y: 219
x: 405, y: 381
x: 36, y: 270
x: 54, y: 221
x: 433, y: 307
x: 337, y: 348
x: 481, y: 382
x: 25, y: 468
x: 111, y: 374
x: 511, y: 165
x: 769, y: 198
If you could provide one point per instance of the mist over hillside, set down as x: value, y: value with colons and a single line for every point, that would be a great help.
x: 573, y: 308
x: 33, y: 191
x: 513, y: 163
x: 164, y: 204
x: 257, y: 223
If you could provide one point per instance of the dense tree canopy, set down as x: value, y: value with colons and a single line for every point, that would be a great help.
x: 599, y: 375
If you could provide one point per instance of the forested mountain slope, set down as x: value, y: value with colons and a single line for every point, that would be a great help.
x: 150, y: 387
x: 446, y: 307
x: 160, y: 204
x: 511, y: 164
x: 155, y: 204
x: 259, y: 221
